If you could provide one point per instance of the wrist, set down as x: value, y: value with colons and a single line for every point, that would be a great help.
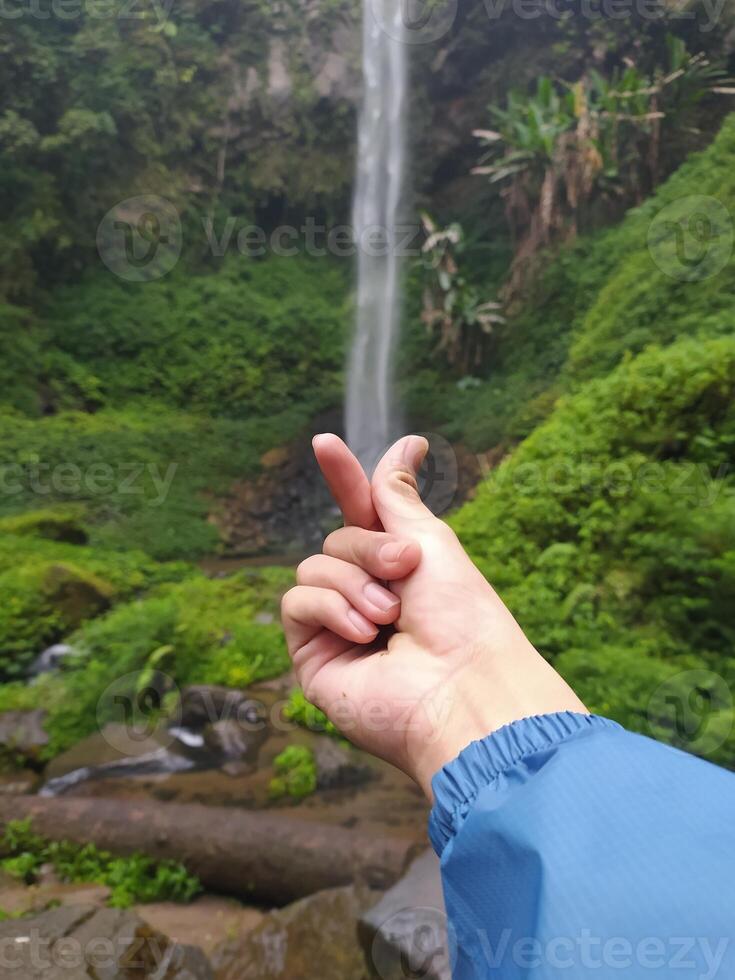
x: 479, y: 701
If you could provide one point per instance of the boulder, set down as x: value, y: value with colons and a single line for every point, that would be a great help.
x: 230, y: 742
x: 75, y: 594
x: 208, y: 704
x: 18, y: 899
x: 338, y: 765
x: 405, y: 933
x: 55, y: 525
x: 312, y: 939
x: 22, y: 733
x: 81, y: 941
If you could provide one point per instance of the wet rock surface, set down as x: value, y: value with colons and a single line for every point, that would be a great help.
x: 405, y: 933
x: 208, y: 704
x: 338, y: 765
x: 206, y: 922
x: 287, y: 507
x: 76, y: 942
x: 288, y: 510
x: 312, y: 939
x: 22, y: 733
x: 51, y: 658
x: 15, y: 782
x: 340, y: 847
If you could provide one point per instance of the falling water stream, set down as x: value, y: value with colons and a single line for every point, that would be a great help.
x: 372, y: 419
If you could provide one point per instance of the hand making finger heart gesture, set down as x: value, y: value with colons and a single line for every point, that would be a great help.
x: 396, y: 635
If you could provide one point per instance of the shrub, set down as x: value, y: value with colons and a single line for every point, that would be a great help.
x: 304, y: 713
x: 239, y: 343
x: 144, y: 477
x: 207, y: 629
x: 612, y: 524
x: 49, y: 588
x: 136, y: 878
x: 295, y: 773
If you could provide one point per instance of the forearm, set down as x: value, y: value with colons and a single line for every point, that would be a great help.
x: 495, y: 690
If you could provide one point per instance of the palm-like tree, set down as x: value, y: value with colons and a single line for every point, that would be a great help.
x: 556, y: 151
x: 452, y: 308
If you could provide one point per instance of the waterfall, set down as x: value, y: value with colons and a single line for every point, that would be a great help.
x: 371, y: 416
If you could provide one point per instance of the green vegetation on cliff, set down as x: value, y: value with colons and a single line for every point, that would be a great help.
x: 610, y: 530
x: 128, y: 411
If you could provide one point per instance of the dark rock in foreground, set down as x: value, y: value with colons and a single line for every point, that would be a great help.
x: 338, y: 765
x: 313, y: 939
x: 405, y: 934
x: 81, y: 942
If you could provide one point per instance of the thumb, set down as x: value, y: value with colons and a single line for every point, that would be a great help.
x: 394, y: 486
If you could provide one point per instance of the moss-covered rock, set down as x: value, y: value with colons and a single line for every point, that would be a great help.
x: 73, y: 593
x: 56, y: 525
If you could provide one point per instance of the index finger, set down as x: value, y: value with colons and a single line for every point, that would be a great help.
x: 347, y: 481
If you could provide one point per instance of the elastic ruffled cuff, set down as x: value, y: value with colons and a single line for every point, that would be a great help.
x: 457, y: 785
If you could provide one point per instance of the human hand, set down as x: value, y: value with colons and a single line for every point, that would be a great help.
x: 415, y: 671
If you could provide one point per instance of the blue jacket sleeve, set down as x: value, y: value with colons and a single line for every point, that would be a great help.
x: 571, y: 847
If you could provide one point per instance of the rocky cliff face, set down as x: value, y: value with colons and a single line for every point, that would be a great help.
x: 292, y: 81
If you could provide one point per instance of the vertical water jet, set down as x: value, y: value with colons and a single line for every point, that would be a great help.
x: 371, y: 413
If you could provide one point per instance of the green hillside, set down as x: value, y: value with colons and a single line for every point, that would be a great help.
x: 610, y: 530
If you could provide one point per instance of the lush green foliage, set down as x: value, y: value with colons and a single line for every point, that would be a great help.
x: 247, y: 338
x: 163, y: 394
x: 197, y: 631
x: 136, y: 878
x: 295, y: 773
x: 304, y: 713
x: 610, y: 529
x: 142, y: 474
x: 563, y: 147
x: 646, y: 295
x: 48, y: 588
x: 172, y: 100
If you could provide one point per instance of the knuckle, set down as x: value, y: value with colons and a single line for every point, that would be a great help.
x: 307, y: 567
x: 331, y: 542
x: 403, y: 479
x: 287, y: 602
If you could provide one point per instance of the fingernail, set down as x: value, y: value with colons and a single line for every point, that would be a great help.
x: 359, y: 622
x: 380, y: 597
x: 414, y: 451
x: 391, y: 552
